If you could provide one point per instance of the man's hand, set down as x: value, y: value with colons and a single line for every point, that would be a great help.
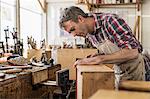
x: 115, y: 58
x: 93, y: 55
x: 88, y: 61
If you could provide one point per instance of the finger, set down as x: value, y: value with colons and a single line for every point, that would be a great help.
x: 75, y: 64
x: 88, y: 56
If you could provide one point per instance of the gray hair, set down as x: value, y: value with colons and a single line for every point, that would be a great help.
x: 71, y: 13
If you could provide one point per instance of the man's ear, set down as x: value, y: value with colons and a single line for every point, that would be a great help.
x: 80, y: 18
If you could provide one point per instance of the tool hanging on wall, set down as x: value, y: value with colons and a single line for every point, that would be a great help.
x: 18, y: 43
x: 2, y: 46
x: 43, y: 44
x: 6, y: 38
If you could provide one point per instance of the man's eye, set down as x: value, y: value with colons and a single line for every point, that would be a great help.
x: 71, y: 30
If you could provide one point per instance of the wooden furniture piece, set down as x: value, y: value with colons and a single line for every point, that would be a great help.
x: 67, y: 57
x: 135, y: 86
x: 20, y: 85
x: 112, y: 94
x: 90, y: 78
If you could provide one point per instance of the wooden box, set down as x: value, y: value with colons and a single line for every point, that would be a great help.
x: 34, y: 53
x: 90, y: 78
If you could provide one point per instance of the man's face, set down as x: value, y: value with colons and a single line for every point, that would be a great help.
x: 76, y: 29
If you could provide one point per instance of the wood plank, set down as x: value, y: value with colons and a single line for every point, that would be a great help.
x: 94, y: 68
x: 135, y: 85
x: 111, y: 94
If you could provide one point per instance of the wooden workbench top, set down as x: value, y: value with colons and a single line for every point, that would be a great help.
x: 26, y: 71
x: 112, y: 94
x: 94, y: 68
x: 135, y: 85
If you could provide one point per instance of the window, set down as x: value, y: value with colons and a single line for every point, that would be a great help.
x: 7, y: 19
x: 54, y: 32
x: 30, y: 21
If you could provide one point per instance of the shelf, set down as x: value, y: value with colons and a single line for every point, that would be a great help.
x: 99, y: 5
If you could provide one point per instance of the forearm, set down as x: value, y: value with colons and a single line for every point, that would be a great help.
x: 119, y: 57
x: 115, y: 58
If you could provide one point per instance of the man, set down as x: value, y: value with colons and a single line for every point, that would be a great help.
x: 99, y: 26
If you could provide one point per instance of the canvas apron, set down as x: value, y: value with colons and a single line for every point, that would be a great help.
x: 129, y: 70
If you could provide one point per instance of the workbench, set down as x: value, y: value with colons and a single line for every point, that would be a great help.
x: 90, y: 78
x: 26, y: 83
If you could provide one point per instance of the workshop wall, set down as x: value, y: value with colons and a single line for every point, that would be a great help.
x: 128, y: 14
x: 146, y: 24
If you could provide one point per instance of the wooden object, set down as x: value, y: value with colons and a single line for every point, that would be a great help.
x: 39, y: 74
x: 111, y: 94
x: 19, y: 86
x: 135, y: 86
x: 52, y: 71
x: 48, y: 54
x: 49, y: 83
x: 37, y: 53
x: 34, y: 53
x: 67, y: 57
x: 90, y: 78
x: 5, y: 67
x: 137, y: 28
x: 11, y: 71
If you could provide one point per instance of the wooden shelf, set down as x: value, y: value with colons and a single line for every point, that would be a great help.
x: 99, y: 5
